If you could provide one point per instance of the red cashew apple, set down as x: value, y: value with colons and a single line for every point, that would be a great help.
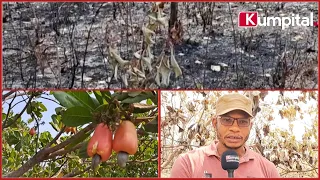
x: 100, y: 143
x: 32, y: 131
x: 125, y: 142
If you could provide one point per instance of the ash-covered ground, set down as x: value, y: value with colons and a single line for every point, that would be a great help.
x: 218, y: 56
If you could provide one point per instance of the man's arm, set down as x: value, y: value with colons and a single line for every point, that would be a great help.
x: 181, y: 168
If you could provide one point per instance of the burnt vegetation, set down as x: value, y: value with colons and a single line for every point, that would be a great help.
x: 195, y: 45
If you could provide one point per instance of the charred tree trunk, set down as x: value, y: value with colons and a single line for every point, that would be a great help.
x: 114, y: 13
x: 173, y: 14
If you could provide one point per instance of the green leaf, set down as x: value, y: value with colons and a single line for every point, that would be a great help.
x: 134, y: 93
x: 18, y: 146
x: 4, y: 116
x: 84, y: 98
x: 66, y: 99
x: 17, y: 134
x: 79, y: 140
x: 55, y: 126
x: 34, y: 103
x: 58, y: 110
x: 13, y: 138
x: 149, y: 102
x: 54, y: 119
x: 17, y: 122
x: 43, y: 107
x: 82, y: 152
x: 95, y: 101
x: 4, y: 162
x: 38, y: 114
x: 106, y: 95
x: 45, y: 137
x: 76, y: 116
x: 29, y: 109
x: 102, y: 108
x: 139, y: 98
x: 120, y: 95
x: 142, y: 108
x: 11, y: 159
x: 152, y: 126
x: 98, y: 96
x: 30, y: 120
x: 154, y: 98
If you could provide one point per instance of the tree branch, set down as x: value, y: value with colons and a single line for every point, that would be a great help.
x: 65, y: 151
x: 56, y: 138
x: 23, y: 100
x: 73, y: 138
x: 298, y: 171
x: 50, y: 100
x: 139, y: 120
x: 9, y: 108
x: 19, y: 115
x: 133, y: 161
x: 87, y: 44
x: 56, y: 174
x: 4, y: 96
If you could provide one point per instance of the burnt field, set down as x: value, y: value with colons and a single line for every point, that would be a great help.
x: 67, y: 45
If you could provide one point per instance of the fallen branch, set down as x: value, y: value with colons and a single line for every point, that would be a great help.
x: 298, y: 171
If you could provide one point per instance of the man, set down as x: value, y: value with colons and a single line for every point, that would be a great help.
x: 232, y: 123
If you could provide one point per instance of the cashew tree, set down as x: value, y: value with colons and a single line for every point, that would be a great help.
x: 42, y: 139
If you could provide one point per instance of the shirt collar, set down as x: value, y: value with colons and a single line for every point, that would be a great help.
x: 211, y: 150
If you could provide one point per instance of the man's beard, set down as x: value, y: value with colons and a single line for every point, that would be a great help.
x: 222, y: 142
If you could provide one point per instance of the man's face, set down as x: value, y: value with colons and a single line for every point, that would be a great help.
x: 232, y: 137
